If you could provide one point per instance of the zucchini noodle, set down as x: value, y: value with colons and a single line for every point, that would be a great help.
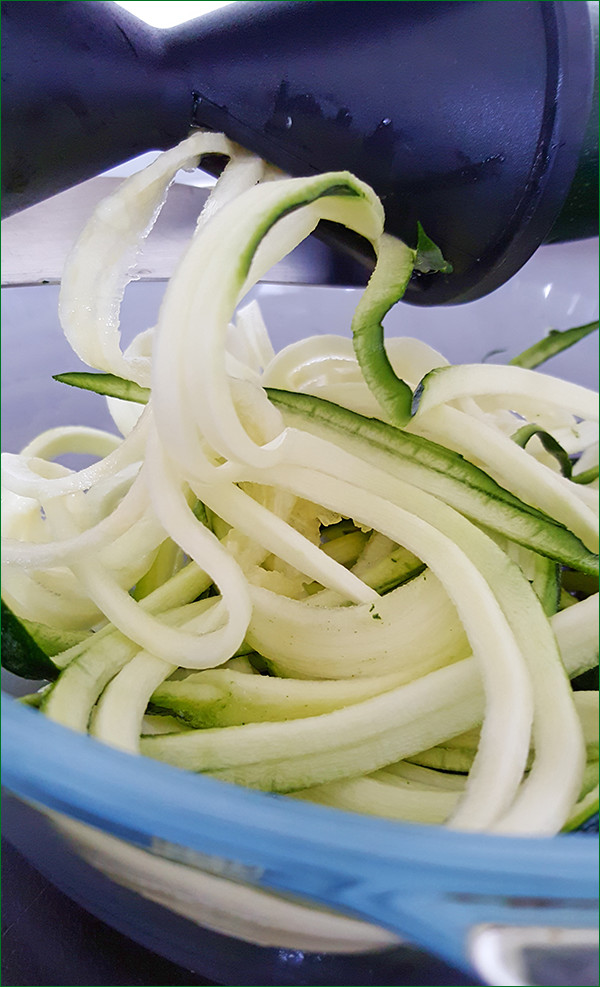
x: 331, y: 571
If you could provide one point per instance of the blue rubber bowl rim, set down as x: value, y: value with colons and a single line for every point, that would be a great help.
x: 138, y: 799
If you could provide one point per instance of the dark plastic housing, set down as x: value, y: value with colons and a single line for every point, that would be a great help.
x: 468, y: 116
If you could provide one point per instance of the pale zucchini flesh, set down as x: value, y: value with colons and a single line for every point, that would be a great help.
x: 398, y: 597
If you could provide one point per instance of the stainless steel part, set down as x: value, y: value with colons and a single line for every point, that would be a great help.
x: 36, y: 241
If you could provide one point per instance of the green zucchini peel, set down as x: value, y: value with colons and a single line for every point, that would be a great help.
x: 20, y: 653
x: 527, y: 432
x: 108, y: 384
x: 555, y: 342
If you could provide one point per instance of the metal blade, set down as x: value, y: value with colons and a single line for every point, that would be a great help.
x: 36, y: 241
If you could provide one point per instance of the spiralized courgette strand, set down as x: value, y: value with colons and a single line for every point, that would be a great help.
x: 408, y: 582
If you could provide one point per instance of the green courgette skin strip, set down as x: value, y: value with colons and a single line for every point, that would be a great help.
x: 108, y: 384
x: 395, y: 264
x: 527, y: 432
x: 405, y: 445
x: 588, y: 476
x: 20, y: 653
x: 416, y: 447
x: 555, y: 342
x: 536, y: 530
x: 567, y: 550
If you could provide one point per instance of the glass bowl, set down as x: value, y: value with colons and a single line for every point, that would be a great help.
x: 249, y: 887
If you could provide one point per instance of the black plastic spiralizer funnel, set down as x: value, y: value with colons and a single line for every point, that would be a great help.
x: 469, y: 117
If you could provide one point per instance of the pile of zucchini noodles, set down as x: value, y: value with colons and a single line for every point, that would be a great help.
x: 331, y: 572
